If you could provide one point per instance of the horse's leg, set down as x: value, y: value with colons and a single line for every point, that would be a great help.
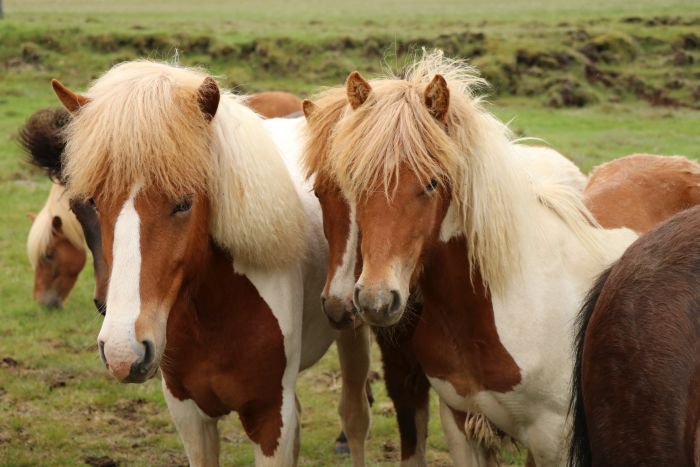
x: 466, y: 448
x: 354, y: 354
x: 198, y: 433
x: 341, y: 442
x: 408, y: 389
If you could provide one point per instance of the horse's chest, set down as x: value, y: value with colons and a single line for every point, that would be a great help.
x: 456, y: 339
x: 225, y: 355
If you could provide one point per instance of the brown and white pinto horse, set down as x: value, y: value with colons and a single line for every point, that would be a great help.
x: 408, y: 389
x: 502, y: 259
x: 406, y: 382
x: 636, y: 382
x: 214, y: 255
x: 55, y: 246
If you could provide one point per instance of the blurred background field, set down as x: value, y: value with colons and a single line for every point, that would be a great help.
x: 595, y: 79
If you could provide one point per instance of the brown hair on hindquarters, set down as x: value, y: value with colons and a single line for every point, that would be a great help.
x: 641, y: 190
x: 640, y: 330
x: 273, y: 104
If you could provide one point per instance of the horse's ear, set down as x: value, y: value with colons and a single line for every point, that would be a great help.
x: 31, y: 216
x: 309, y: 108
x: 358, y: 89
x: 70, y: 100
x: 56, y: 223
x: 437, y: 98
x: 208, y: 97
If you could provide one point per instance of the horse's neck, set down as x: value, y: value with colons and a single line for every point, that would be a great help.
x: 217, y: 298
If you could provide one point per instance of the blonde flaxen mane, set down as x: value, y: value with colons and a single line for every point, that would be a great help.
x: 143, y: 124
x: 472, y: 152
x: 40, y: 234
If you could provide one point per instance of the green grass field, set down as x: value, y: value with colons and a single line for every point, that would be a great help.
x: 596, y: 79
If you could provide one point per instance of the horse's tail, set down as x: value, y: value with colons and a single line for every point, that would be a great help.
x: 579, y: 447
x: 42, y: 139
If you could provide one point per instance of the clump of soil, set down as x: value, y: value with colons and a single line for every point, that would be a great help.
x: 611, y: 47
x: 101, y: 461
x: 567, y: 92
x: 552, y: 60
x: 690, y: 41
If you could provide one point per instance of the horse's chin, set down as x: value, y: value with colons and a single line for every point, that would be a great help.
x: 383, y: 322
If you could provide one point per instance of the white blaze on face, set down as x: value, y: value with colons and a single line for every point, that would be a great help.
x: 123, y: 297
x: 343, y: 282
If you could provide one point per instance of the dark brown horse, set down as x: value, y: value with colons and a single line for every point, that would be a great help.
x: 636, y: 385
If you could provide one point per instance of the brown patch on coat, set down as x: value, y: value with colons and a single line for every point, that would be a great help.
x: 274, y: 104
x: 456, y: 339
x: 641, y: 190
x: 225, y: 351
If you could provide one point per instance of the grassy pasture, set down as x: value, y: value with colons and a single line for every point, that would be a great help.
x: 595, y: 79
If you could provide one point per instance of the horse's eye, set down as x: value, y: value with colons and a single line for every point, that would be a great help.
x: 184, y: 205
x: 49, y: 255
x: 316, y: 194
x: 92, y: 204
x: 432, y: 185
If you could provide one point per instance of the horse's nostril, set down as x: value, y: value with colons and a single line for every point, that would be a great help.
x: 148, y: 355
x: 356, y: 297
x: 395, y: 301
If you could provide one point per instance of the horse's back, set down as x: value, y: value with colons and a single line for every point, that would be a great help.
x: 545, y: 163
x: 273, y: 104
x: 641, y: 355
x: 641, y: 190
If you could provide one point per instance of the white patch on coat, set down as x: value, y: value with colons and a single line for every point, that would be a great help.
x: 124, y: 292
x: 343, y: 282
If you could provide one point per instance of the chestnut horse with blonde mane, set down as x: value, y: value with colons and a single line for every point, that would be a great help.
x: 409, y: 390
x: 442, y: 204
x: 229, y: 309
x: 55, y: 245
x: 56, y: 249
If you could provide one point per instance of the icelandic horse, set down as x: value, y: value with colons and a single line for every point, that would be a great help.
x: 213, y: 253
x: 482, y: 439
x: 55, y: 245
x: 636, y: 380
x: 442, y: 205
x: 56, y: 249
